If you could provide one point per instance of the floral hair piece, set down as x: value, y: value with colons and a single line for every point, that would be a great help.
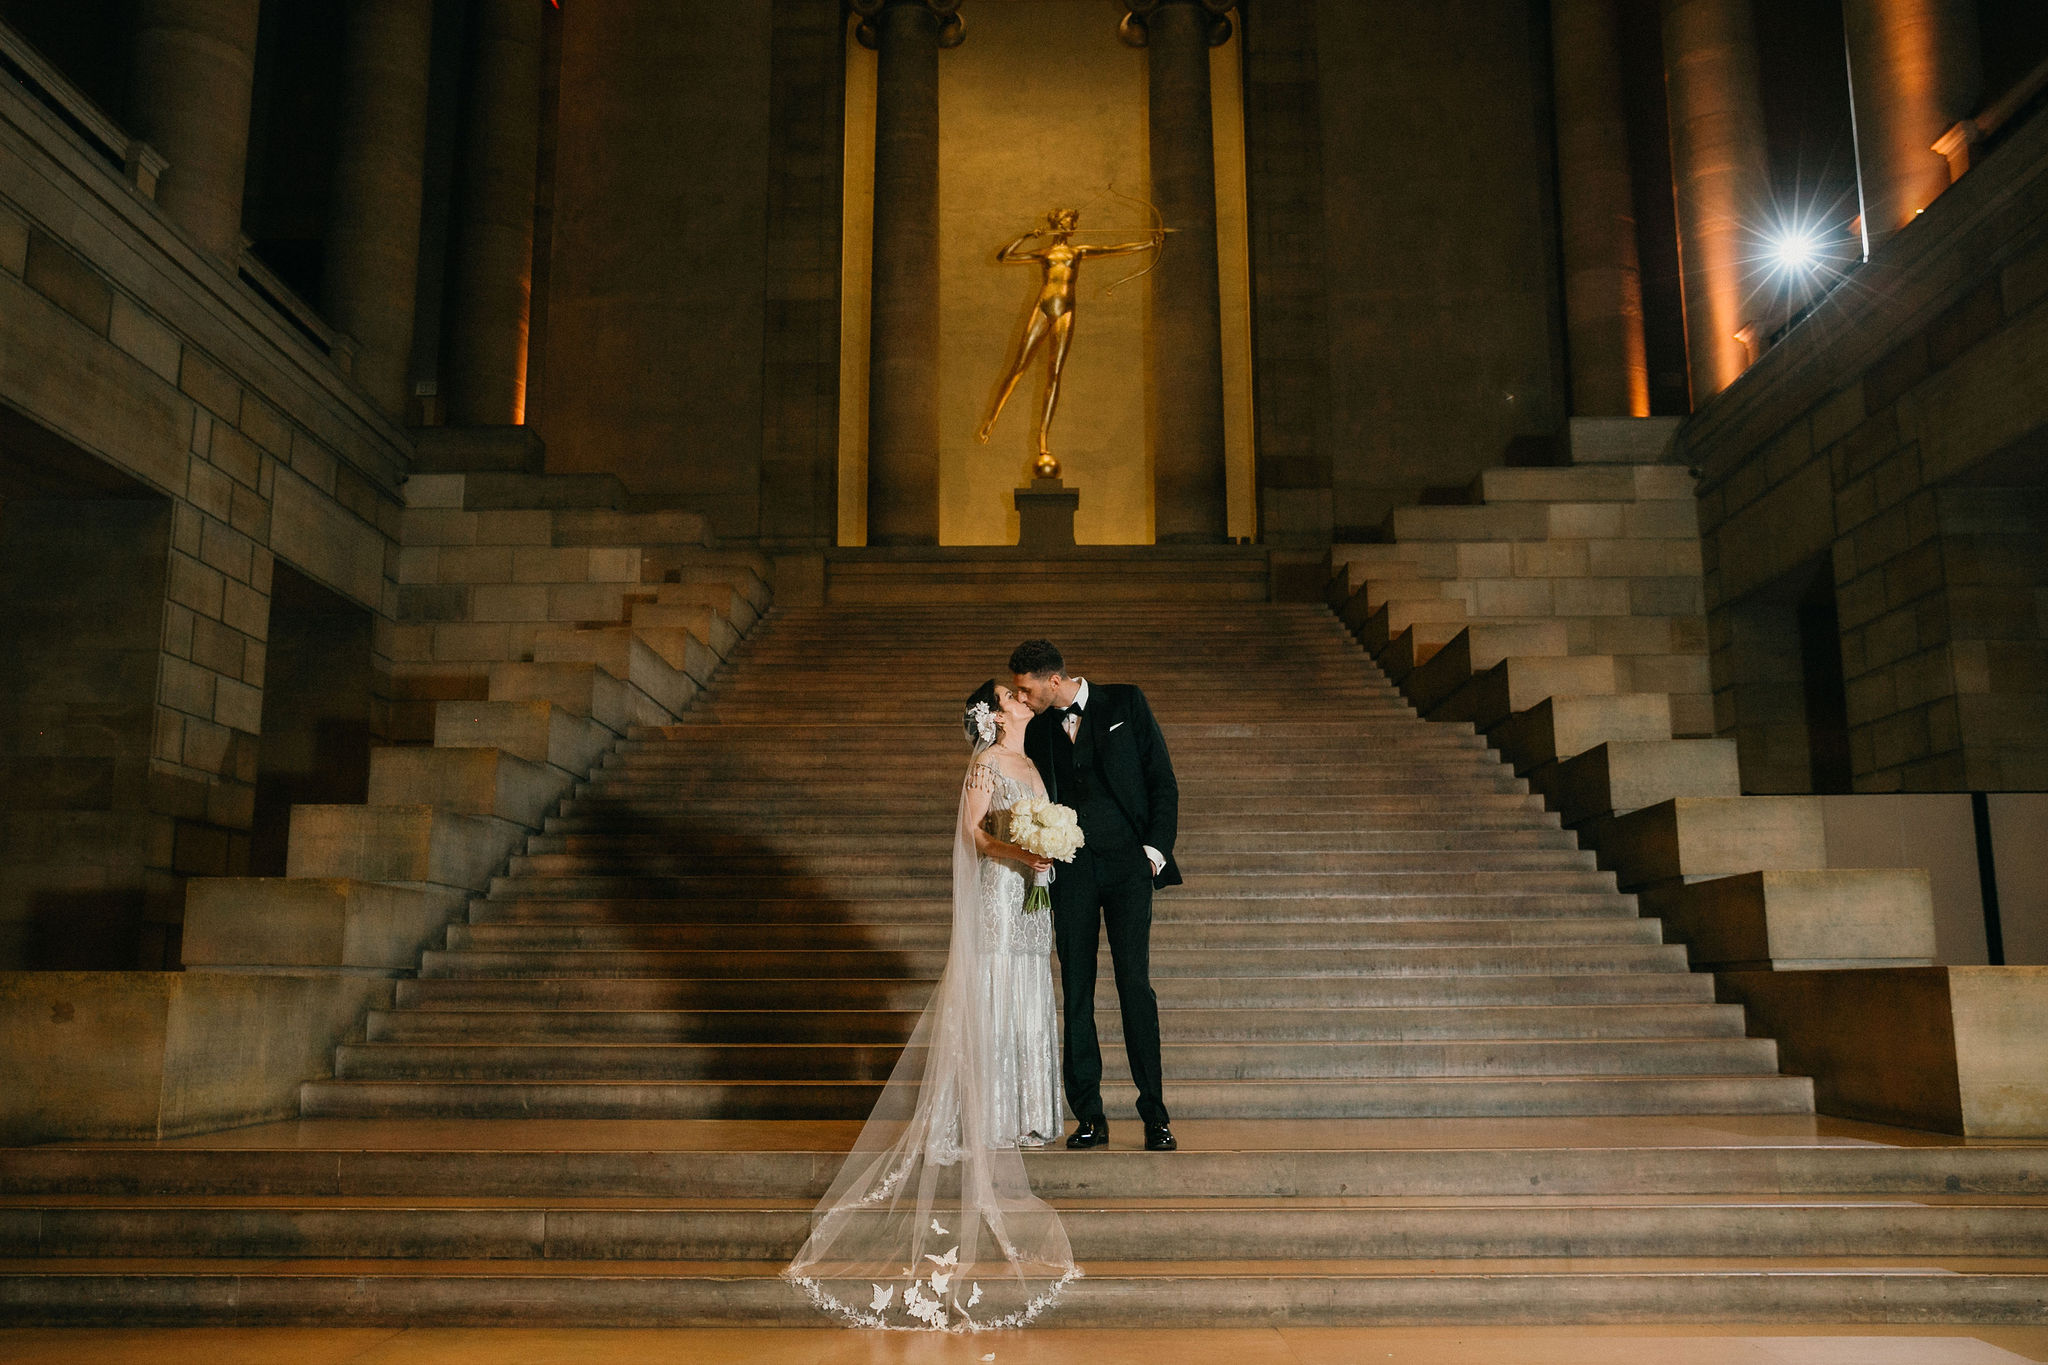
x: 983, y: 720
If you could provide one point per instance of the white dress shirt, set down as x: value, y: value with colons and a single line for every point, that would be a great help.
x: 1072, y: 725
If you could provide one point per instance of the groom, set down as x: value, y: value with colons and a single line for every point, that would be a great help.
x: 1100, y: 751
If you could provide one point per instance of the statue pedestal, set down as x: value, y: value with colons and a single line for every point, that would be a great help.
x: 1045, y: 515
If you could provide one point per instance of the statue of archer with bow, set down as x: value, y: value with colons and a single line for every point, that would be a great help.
x: 1052, y: 314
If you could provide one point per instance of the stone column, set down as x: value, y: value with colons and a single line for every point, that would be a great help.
x: 903, y: 324
x: 494, y: 218
x: 1914, y: 70
x: 1603, y: 288
x: 373, y: 225
x: 194, y: 66
x: 1190, y: 488
x: 1721, y: 176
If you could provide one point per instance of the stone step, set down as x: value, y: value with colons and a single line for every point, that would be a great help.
x: 927, y: 863
x: 701, y: 842
x: 1184, y: 1025
x: 374, y: 1292
x: 901, y: 992
x: 896, y: 732
x: 488, y: 1292
x: 1520, y: 816
x: 1189, y: 1063
x: 1225, y: 807
x: 1100, y: 1229
x: 1431, y: 960
x: 1310, y: 1159
x: 1435, y: 1096
x: 1201, y: 882
x: 1179, y: 907
x: 1177, y: 934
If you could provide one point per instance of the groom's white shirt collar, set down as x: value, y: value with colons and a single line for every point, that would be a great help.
x: 1081, y: 696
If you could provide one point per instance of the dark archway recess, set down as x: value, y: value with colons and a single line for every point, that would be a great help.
x: 318, y: 692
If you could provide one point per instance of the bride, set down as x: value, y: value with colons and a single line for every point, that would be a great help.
x: 931, y: 1223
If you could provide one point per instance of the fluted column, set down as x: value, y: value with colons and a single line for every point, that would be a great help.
x: 373, y: 225
x: 1190, y: 488
x: 1914, y: 69
x: 1603, y: 288
x: 903, y: 324
x: 1721, y: 176
x: 493, y: 272
x: 194, y: 64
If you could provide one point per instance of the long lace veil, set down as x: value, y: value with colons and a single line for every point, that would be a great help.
x: 929, y: 1225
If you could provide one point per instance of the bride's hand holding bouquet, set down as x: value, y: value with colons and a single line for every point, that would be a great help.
x: 1051, y: 833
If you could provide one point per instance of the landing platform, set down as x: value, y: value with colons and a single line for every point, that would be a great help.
x: 1084, y: 573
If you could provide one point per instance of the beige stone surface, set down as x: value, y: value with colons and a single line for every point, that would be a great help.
x: 1710, y: 837
x: 319, y: 537
x: 1562, y: 727
x: 1622, y: 776
x: 2019, y: 821
x: 649, y: 660
x: 157, y: 1054
x: 1930, y: 830
x: 2000, y: 1015
x: 1516, y: 684
x: 582, y: 689
x: 468, y: 781
x: 1474, y: 649
x: 703, y: 623
x: 1779, y: 919
x: 1955, y: 1049
x: 311, y: 922
x: 537, y: 731
x: 414, y: 844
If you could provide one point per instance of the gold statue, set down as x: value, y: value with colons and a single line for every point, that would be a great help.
x: 1052, y: 316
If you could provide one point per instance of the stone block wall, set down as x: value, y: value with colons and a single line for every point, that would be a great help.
x: 1890, y: 455
x: 130, y: 359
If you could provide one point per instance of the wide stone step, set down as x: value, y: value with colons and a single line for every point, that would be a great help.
x: 844, y: 790
x: 938, y: 863
x: 934, y: 935
x: 1554, y: 1226
x: 912, y: 993
x: 487, y: 1292
x: 1332, y: 730
x: 1176, y: 908
x: 1778, y: 1155
x: 682, y: 839
x: 917, y: 810
x: 1183, y: 1025
x: 1480, y: 959
x: 1186, y: 1062
x: 1434, y: 1096
x: 593, y: 818
x: 1272, y: 884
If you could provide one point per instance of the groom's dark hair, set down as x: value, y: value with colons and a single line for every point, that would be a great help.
x: 1037, y: 659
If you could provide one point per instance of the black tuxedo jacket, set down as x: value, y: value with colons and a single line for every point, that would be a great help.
x: 1121, y: 740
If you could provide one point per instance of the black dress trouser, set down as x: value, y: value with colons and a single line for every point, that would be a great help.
x: 1110, y: 887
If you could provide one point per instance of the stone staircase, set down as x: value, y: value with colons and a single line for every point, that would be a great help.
x: 1427, y: 1063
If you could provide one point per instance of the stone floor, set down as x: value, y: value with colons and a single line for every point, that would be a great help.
x: 1776, y: 1345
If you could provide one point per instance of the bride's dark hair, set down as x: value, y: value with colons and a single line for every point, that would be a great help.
x: 984, y: 695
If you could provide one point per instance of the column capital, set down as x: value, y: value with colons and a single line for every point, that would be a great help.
x: 1133, y: 28
x: 952, y: 27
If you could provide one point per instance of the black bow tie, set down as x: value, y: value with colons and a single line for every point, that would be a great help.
x: 1063, y: 712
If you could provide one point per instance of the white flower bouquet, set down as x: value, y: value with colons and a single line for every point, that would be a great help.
x: 1050, y: 830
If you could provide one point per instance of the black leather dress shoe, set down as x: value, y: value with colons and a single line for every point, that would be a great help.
x: 1159, y: 1138
x: 1089, y: 1133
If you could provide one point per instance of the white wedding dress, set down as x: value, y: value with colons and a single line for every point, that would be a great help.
x: 931, y: 1224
